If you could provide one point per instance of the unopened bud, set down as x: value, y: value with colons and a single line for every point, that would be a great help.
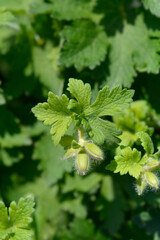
x: 152, y: 165
x: 82, y: 163
x: 141, y: 185
x: 93, y: 150
x: 70, y: 153
x: 151, y: 179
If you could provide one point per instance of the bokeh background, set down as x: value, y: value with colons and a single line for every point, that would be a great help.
x: 43, y: 44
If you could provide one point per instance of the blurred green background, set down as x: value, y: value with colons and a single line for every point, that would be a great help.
x: 43, y: 44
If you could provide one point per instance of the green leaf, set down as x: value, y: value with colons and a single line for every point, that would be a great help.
x: 140, y: 109
x: 111, y: 204
x: 127, y: 162
x: 157, y: 154
x: 107, y: 103
x: 8, y: 20
x: 46, y: 216
x: 55, y: 113
x: 50, y: 157
x: 10, y: 156
x: 14, y: 221
x: 21, y: 213
x: 15, y: 140
x: 145, y: 61
x: 5, y: 37
x: 122, y: 70
x: 80, y: 43
x: 72, y: 9
x: 81, y: 91
x: 40, y: 7
x: 128, y: 54
x: 146, y: 142
x: 153, y: 6
x: 82, y: 229
x: 102, y: 130
x: 81, y: 184
x: 110, y: 102
x: 133, y: 120
x: 14, y: 6
x: 107, y: 188
x: 75, y: 206
x: 44, y: 68
x: 18, y: 5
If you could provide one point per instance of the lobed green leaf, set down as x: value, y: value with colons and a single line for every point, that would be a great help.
x: 127, y: 162
x: 81, y: 91
x: 80, y: 43
x: 56, y: 114
x: 14, y: 221
x: 110, y: 102
x: 72, y: 9
x: 146, y: 142
x: 153, y: 6
x: 133, y: 49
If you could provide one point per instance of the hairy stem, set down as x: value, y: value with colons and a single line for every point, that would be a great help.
x: 80, y: 136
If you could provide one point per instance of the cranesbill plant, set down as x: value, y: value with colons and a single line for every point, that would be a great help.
x: 142, y: 167
x: 88, y: 118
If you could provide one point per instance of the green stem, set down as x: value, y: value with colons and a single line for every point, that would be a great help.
x: 80, y: 136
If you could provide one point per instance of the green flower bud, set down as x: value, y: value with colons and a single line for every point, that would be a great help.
x: 82, y: 163
x: 93, y: 150
x: 151, y: 179
x: 71, y: 152
x: 141, y: 185
x: 152, y: 165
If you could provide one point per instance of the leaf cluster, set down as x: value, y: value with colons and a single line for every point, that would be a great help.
x: 60, y: 113
x: 14, y: 222
x: 43, y: 43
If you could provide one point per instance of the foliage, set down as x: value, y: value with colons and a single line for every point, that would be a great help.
x: 79, y: 40
x: 153, y: 6
x: 60, y: 113
x: 89, y: 125
x: 14, y: 221
x: 131, y: 46
x: 130, y: 161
